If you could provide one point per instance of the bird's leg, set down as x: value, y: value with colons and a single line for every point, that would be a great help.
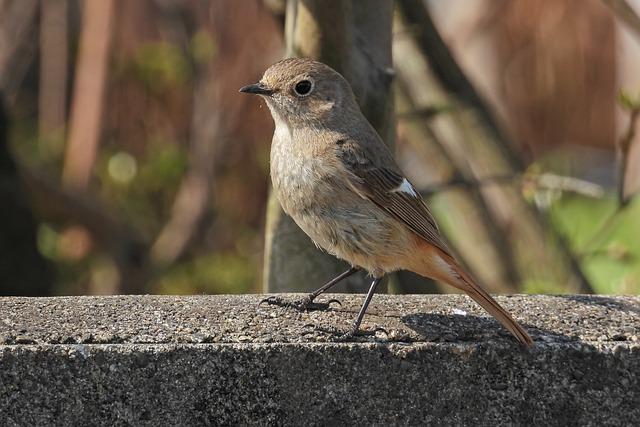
x: 330, y: 284
x: 363, y: 309
x: 341, y: 336
x: 306, y: 302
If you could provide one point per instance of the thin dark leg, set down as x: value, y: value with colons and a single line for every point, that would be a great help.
x: 363, y: 309
x: 330, y: 284
x: 306, y: 302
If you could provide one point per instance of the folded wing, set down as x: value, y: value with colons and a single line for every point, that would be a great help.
x: 384, y: 185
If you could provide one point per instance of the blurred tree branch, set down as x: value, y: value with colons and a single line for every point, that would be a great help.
x: 544, y: 181
x: 53, y: 67
x: 17, y: 42
x: 278, y: 8
x: 479, y: 147
x: 626, y: 14
x: 493, y: 264
x: 194, y: 194
x: 623, y: 199
x: 65, y: 207
x: 88, y: 93
x: 624, y: 147
x: 449, y: 73
x: 209, y: 37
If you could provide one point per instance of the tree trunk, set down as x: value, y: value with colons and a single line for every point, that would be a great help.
x: 354, y: 38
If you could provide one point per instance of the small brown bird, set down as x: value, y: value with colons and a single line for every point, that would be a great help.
x: 336, y: 178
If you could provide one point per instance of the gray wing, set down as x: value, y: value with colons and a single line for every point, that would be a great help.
x: 376, y: 177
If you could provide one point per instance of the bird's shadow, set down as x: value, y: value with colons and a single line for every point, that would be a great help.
x: 437, y: 327
x: 434, y: 327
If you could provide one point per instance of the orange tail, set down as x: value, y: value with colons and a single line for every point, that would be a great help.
x: 461, y: 280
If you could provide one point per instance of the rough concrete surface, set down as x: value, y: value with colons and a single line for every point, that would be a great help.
x: 219, y: 360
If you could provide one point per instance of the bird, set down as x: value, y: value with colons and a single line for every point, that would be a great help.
x: 333, y: 174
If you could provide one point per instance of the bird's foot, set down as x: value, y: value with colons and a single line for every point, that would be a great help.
x: 303, y: 304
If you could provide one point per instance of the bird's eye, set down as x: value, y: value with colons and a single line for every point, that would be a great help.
x: 303, y: 87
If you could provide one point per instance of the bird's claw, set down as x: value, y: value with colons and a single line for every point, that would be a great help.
x: 272, y: 300
x: 303, y: 304
x: 333, y: 300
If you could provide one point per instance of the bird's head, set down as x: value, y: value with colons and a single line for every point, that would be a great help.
x: 303, y: 92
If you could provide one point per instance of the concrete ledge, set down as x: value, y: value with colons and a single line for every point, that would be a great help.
x: 151, y: 360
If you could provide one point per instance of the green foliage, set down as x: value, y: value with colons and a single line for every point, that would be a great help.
x: 613, y: 265
x: 48, y: 241
x: 541, y: 287
x: 71, y: 273
x: 145, y: 198
x: 215, y: 273
x: 629, y: 102
x: 203, y: 47
x: 40, y: 154
x: 160, y: 65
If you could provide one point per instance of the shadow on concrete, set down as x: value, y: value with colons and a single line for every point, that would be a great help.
x: 455, y: 328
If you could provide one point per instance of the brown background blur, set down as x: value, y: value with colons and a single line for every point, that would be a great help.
x: 146, y: 171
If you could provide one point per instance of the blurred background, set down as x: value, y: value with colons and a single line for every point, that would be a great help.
x: 129, y: 162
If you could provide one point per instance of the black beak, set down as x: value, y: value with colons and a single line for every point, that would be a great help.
x: 258, y: 89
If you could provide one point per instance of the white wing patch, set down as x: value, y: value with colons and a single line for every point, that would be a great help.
x: 405, y: 187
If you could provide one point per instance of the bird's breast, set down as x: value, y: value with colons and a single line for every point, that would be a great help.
x: 301, y: 181
x: 314, y: 192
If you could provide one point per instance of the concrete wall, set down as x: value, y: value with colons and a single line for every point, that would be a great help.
x: 213, y: 360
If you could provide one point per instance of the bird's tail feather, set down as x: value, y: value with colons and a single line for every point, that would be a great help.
x: 465, y: 283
